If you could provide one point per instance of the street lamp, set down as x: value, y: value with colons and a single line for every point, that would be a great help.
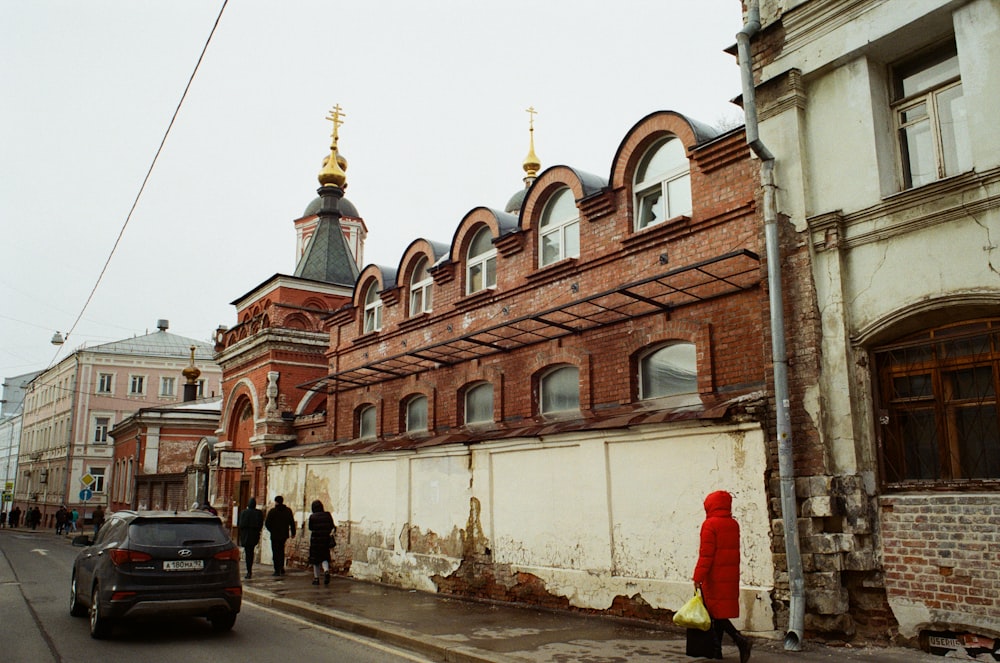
x: 57, y: 339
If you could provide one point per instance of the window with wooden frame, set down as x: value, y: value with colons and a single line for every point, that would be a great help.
x: 420, y: 288
x: 931, y: 121
x: 937, y: 406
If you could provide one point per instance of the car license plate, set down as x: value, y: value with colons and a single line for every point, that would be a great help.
x: 183, y: 565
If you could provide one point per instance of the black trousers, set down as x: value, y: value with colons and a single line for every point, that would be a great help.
x: 278, y: 554
x: 248, y: 554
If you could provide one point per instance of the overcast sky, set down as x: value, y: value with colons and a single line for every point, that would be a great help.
x: 434, y: 93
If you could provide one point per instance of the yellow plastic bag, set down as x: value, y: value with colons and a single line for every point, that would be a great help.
x: 693, y: 614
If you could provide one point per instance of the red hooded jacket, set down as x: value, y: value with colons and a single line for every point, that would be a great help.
x: 718, y: 568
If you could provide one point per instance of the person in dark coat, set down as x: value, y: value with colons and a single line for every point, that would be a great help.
x: 280, y: 524
x: 97, y: 519
x: 62, y: 515
x: 321, y: 532
x: 717, y: 572
x: 36, y: 517
x: 250, y: 523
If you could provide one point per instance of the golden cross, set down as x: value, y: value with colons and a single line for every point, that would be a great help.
x: 335, y: 116
x: 531, y: 117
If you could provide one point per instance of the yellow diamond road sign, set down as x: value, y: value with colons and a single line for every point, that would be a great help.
x: 87, y: 479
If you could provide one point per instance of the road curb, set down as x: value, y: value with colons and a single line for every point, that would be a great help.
x: 405, y: 638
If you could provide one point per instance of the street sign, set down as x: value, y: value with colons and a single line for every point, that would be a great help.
x: 86, y: 494
x: 87, y: 479
x: 231, y: 459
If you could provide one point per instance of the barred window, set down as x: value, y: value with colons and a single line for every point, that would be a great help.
x: 938, y: 415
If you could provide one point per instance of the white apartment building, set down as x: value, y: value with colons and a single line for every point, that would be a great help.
x: 70, y: 408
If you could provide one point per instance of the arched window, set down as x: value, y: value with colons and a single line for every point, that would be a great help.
x: 416, y: 414
x: 420, y: 288
x: 559, y: 390
x: 939, y: 415
x: 669, y: 371
x: 662, y: 184
x: 481, y: 265
x: 366, y: 421
x: 479, y: 403
x: 373, y: 309
x: 559, y: 230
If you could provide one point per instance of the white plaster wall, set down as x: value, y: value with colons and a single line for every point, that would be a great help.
x: 657, y: 500
x: 440, y: 494
x: 841, y: 139
x: 948, y: 258
x: 372, y: 510
x: 594, y: 516
x: 977, y: 33
x: 547, y: 508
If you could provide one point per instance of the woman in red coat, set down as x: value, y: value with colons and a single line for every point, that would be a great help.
x: 718, y: 570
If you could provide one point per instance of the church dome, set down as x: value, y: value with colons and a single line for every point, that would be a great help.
x: 345, y: 206
x: 513, y: 205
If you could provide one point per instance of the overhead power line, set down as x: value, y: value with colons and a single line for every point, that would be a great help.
x: 149, y: 172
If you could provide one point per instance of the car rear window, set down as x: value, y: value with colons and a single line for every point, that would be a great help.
x: 176, y: 532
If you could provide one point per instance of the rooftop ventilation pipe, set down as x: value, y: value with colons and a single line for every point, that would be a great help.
x: 786, y: 467
x: 163, y: 325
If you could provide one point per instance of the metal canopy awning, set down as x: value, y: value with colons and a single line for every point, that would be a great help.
x: 722, y: 275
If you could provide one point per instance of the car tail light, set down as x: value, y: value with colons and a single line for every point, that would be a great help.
x: 120, y: 556
x: 119, y: 596
x: 231, y: 555
x: 234, y: 591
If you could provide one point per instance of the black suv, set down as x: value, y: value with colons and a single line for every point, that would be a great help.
x: 155, y: 564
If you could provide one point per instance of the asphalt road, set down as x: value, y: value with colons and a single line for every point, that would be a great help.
x: 37, y: 627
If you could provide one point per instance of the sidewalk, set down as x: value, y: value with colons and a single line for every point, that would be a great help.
x: 463, y: 631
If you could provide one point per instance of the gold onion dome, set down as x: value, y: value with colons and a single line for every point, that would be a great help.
x: 192, y: 372
x: 531, y: 163
x: 332, y: 173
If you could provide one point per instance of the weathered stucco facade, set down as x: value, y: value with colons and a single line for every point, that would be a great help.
x: 887, y: 170
x: 590, y: 517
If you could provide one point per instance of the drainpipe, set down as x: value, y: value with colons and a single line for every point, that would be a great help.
x: 786, y: 467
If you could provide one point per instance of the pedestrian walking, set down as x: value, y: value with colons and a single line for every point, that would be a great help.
x: 97, y: 519
x: 36, y: 517
x: 250, y: 523
x: 717, y: 573
x: 322, y: 531
x: 74, y: 516
x: 280, y: 524
x: 14, y: 519
x: 62, y: 518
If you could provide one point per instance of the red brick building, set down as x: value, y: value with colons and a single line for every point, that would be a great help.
x: 535, y: 410
x: 280, y: 342
x: 160, y: 457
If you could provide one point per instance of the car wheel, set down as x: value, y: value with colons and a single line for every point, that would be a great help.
x: 223, y: 622
x: 76, y: 608
x: 100, y: 624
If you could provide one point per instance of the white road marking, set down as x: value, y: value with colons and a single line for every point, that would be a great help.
x: 368, y: 642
